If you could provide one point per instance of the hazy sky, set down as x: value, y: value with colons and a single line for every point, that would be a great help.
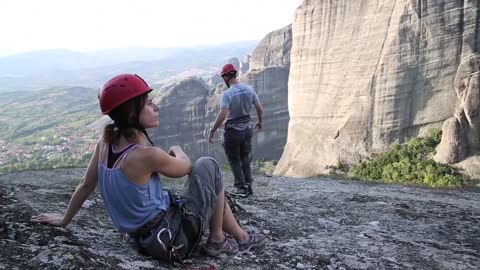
x: 27, y: 25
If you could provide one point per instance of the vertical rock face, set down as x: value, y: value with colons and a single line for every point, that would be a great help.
x: 271, y: 85
x: 183, y: 111
x: 365, y: 74
x: 189, y: 108
x: 268, y: 74
x: 245, y: 64
x: 214, y: 80
x: 242, y: 65
x: 273, y: 50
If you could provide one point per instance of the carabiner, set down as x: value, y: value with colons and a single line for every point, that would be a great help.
x: 160, y: 241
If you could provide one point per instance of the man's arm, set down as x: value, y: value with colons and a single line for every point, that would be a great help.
x: 222, y: 115
x: 259, y: 109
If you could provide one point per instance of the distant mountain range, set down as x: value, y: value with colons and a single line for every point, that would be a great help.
x: 59, y: 67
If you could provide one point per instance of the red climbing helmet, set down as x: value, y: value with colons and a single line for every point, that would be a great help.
x: 227, y: 69
x: 119, y: 89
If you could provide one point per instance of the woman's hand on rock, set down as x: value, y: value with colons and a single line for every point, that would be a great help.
x: 49, y: 218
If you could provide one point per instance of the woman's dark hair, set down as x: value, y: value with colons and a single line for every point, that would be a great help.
x: 126, y: 119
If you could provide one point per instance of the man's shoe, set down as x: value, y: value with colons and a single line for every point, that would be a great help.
x: 249, y: 190
x: 240, y: 192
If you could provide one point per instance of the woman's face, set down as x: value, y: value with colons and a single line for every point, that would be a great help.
x: 149, y: 114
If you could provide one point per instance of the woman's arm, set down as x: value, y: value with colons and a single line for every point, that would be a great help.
x: 175, y: 163
x: 85, y: 187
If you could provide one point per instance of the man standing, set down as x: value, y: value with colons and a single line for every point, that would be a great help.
x: 235, y: 106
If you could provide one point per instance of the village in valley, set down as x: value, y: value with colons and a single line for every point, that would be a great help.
x: 48, y: 152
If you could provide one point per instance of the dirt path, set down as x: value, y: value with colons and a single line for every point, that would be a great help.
x: 310, y: 223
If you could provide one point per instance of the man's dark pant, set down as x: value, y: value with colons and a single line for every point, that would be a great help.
x: 238, y: 148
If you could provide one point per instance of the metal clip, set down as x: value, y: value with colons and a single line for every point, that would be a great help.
x: 125, y: 238
x: 160, y: 240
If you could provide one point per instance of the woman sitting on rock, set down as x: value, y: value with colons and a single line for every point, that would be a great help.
x: 165, y: 226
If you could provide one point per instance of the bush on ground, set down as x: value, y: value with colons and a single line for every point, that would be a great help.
x: 410, y: 163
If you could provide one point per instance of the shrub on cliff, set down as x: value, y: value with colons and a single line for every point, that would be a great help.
x: 410, y: 163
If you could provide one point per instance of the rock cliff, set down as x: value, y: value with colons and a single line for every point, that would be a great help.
x: 268, y: 74
x: 188, y: 108
x: 273, y: 50
x: 271, y: 84
x: 460, y: 137
x: 365, y: 74
x: 183, y: 116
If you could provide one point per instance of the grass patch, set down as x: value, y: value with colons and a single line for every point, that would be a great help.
x: 410, y: 163
x: 338, y: 171
x: 225, y: 167
x: 264, y: 167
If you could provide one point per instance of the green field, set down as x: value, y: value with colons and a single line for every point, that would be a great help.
x: 47, y: 128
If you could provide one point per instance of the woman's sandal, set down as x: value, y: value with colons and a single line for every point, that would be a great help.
x: 228, y: 246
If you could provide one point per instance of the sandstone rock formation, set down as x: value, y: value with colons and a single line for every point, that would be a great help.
x: 365, y: 74
x: 183, y: 117
x: 273, y: 50
x: 188, y: 108
x: 214, y: 80
x: 245, y: 64
x: 271, y: 85
x: 461, y: 134
x: 242, y: 65
x: 268, y: 74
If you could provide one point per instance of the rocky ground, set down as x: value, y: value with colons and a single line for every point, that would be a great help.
x: 310, y: 224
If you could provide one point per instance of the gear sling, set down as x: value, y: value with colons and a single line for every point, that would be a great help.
x: 172, y: 235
